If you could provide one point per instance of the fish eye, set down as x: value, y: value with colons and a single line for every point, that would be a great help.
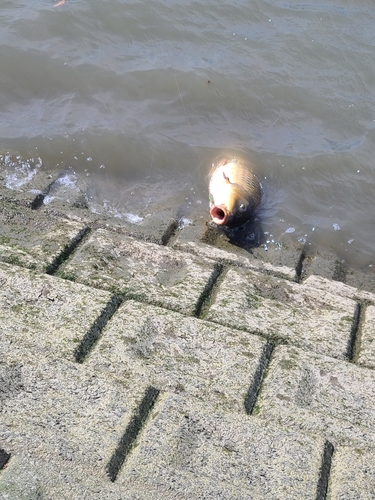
x: 242, y: 207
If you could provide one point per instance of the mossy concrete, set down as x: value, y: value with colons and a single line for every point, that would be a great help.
x: 188, y: 369
x: 180, y: 354
x: 353, y: 474
x: 143, y: 271
x: 34, y: 240
x: 319, y: 395
x: 191, y: 451
x: 284, y: 311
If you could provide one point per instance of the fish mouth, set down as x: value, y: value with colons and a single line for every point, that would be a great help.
x: 219, y: 215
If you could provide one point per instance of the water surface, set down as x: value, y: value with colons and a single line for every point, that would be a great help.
x: 141, y: 97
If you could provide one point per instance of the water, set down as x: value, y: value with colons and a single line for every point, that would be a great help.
x: 141, y: 97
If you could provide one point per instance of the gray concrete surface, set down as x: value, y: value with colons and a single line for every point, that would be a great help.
x: 284, y: 311
x: 162, y: 362
x: 139, y: 270
x: 366, y: 352
x: 180, y: 354
x: 189, y: 453
x: 353, y: 474
x: 319, y: 394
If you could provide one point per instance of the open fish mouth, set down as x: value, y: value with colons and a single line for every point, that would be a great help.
x: 219, y: 215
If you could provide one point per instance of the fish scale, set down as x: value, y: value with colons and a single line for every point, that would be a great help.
x: 244, y: 177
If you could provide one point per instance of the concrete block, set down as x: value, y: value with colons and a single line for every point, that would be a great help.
x: 59, y: 420
x: 62, y: 410
x: 284, y: 253
x: 43, y: 314
x: 352, y: 474
x: 193, y: 227
x: 325, y: 285
x: 53, y: 478
x: 282, y: 310
x: 56, y: 412
x: 192, y: 452
x: 235, y: 258
x: 366, y: 353
x: 32, y: 239
x: 204, y: 239
x: 363, y: 279
x: 318, y: 394
x: 322, y: 265
x: 143, y: 271
x: 179, y: 354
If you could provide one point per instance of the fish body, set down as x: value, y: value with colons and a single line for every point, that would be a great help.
x: 234, y: 193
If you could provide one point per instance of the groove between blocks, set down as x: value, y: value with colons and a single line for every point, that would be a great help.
x: 169, y: 232
x: 255, y: 387
x: 67, y: 251
x: 299, y: 267
x: 355, y: 337
x: 38, y: 201
x: 132, y: 431
x: 208, y: 290
x: 95, y: 332
x: 4, y: 458
x: 322, y: 488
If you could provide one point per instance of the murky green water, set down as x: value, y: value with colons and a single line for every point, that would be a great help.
x: 118, y: 91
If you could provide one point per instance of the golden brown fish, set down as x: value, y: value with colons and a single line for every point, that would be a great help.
x: 234, y: 193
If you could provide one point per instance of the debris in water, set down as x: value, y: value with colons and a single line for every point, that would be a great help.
x: 59, y: 3
x: 290, y: 230
x: 336, y: 227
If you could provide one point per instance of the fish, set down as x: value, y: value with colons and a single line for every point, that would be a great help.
x: 234, y: 193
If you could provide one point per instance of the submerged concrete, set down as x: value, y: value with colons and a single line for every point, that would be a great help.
x: 159, y: 361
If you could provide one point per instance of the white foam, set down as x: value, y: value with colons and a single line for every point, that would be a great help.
x: 21, y: 176
x: 47, y: 199
x: 185, y: 222
x: 133, y: 218
x: 69, y: 181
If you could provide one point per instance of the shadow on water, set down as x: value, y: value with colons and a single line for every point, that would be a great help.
x: 248, y: 235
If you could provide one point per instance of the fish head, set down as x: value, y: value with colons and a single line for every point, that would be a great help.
x: 233, y: 209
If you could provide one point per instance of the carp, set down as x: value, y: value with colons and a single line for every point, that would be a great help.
x: 234, y: 193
